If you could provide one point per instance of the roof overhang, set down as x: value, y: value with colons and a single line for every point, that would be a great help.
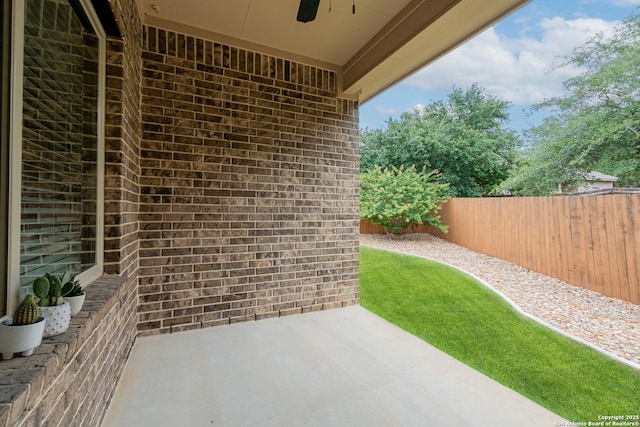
x: 382, y: 43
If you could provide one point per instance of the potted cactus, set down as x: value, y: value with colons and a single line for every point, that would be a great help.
x: 50, y: 291
x: 23, y: 332
x: 75, y: 297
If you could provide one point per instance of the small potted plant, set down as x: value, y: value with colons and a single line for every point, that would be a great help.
x: 50, y: 291
x: 23, y: 332
x: 75, y: 297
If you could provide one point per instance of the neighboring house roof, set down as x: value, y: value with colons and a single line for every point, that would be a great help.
x: 371, y: 50
x: 597, y: 176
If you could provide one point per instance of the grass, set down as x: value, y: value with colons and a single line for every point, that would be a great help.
x: 455, y: 313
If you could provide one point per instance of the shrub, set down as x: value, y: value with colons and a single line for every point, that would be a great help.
x: 401, y: 198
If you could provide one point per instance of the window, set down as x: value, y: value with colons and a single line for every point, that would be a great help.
x: 56, y: 177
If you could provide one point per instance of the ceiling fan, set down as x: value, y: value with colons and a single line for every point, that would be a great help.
x: 309, y: 8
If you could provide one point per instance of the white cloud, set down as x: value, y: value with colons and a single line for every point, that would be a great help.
x: 385, y: 111
x: 625, y: 3
x: 515, y: 69
x: 418, y: 108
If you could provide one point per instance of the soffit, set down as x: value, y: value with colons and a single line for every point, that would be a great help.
x: 384, y: 41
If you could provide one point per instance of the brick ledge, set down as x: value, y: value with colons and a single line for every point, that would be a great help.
x: 25, y: 380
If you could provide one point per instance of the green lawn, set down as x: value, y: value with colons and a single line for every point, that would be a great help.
x: 457, y: 314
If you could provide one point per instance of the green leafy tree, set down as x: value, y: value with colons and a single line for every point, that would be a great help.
x: 595, y: 125
x: 463, y: 138
x: 399, y: 198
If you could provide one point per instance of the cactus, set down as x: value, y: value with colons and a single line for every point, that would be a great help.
x: 55, y: 290
x: 50, y: 289
x: 27, y: 312
x: 41, y: 289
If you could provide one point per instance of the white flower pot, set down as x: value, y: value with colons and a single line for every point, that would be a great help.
x: 20, y: 339
x: 58, y: 317
x: 75, y: 303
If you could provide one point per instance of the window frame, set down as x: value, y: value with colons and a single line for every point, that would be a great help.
x: 5, y: 64
x: 15, y: 151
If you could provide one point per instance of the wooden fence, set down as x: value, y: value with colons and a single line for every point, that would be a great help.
x: 588, y: 241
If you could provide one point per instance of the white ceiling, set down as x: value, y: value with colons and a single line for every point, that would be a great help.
x: 360, y: 46
x: 331, y: 37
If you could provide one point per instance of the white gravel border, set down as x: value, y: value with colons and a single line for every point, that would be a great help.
x: 610, y: 326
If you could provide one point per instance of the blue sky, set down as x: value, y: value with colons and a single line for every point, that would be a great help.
x: 513, y: 60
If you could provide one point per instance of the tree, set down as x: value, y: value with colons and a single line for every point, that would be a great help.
x: 399, y: 198
x: 463, y: 138
x: 595, y: 125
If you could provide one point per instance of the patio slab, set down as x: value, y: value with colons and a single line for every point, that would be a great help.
x: 344, y: 367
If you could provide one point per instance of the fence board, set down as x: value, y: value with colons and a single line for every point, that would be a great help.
x: 562, y: 242
x: 568, y: 238
x: 623, y: 241
x: 588, y: 241
x: 581, y: 240
x: 634, y: 287
x: 603, y: 249
x: 613, y: 283
x: 596, y: 253
x: 555, y: 255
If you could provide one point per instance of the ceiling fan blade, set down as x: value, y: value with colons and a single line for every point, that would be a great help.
x: 308, y: 10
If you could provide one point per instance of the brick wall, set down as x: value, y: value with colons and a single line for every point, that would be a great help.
x: 122, y: 144
x: 70, y: 378
x: 249, y: 186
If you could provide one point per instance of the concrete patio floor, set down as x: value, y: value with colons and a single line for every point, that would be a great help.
x: 344, y: 367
